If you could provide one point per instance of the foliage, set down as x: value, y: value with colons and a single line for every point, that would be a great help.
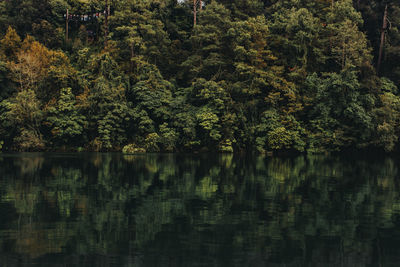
x: 23, y: 113
x: 250, y: 75
x: 66, y: 124
x: 132, y: 149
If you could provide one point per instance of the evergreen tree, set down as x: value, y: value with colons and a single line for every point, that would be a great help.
x: 67, y: 125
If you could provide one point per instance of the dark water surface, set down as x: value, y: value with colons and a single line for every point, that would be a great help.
x: 198, y: 210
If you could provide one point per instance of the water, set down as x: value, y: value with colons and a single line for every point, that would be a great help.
x: 198, y: 210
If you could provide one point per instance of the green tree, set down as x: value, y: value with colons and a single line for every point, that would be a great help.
x: 261, y: 87
x: 349, y: 46
x: 151, y: 99
x: 138, y: 31
x: 23, y: 113
x: 210, y: 57
x: 7, y: 87
x: 298, y: 40
x: 338, y: 115
x: 387, y: 116
x: 67, y: 125
x: 105, y: 103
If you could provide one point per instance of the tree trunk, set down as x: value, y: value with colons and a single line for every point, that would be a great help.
x: 107, y: 10
x: 66, y: 27
x: 383, y: 32
x: 344, y: 54
x: 194, y: 12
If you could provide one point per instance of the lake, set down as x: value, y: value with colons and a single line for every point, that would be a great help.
x: 198, y: 210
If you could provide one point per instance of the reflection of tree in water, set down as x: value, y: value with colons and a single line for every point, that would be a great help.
x: 29, y: 165
x: 220, y: 210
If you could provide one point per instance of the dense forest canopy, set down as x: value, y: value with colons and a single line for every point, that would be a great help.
x: 219, y: 75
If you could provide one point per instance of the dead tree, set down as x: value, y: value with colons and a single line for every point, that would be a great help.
x: 383, y: 34
x: 107, y: 13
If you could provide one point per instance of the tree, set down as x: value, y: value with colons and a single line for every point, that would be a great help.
x: 138, y: 31
x: 338, y: 115
x: 7, y: 87
x: 45, y: 71
x: 373, y: 13
x: 243, y: 9
x: 348, y: 44
x: 24, y: 114
x: 22, y: 14
x: 210, y: 58
x: 261, y: 88
x: 297, y: 40
x: 67, y: 125
x: 150, y: 98
x: 10, y: 45
x: 387, y: 116
x: 105, y: 103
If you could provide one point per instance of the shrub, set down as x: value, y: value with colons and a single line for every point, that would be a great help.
x: 132, y: 149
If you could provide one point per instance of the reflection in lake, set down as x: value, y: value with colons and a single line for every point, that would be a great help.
x: 198, y: 210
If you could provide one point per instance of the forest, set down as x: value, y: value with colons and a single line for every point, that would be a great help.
x: 196, y: 76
